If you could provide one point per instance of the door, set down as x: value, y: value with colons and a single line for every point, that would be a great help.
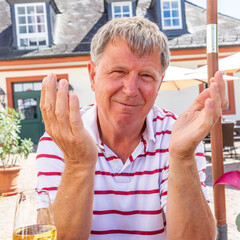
x: 27, y: 102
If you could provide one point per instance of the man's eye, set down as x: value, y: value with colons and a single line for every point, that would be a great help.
x: 147, y: 77
x: 118, y: 72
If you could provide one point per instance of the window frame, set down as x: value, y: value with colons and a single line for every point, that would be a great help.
x: 27, y: 35
x: 172, y: 27
x: 121, y: 4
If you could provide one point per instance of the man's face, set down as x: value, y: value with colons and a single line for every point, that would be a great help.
x: 125, y: 84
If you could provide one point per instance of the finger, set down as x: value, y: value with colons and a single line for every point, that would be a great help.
x: 199, y: 102
x: 75, y: 116
x: 215, y: 96
x: 50, y: 102
x: 209, y: 111
x: 218, y: 78
x: 61, y: 110
x: 42, y: 103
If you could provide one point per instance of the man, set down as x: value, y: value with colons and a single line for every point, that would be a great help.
x: 124, y: 168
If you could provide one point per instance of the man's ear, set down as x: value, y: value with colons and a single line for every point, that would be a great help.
x: 92, y: 72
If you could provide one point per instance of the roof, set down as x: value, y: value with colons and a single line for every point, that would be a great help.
x: 228, y: 29
x: 80, y: 19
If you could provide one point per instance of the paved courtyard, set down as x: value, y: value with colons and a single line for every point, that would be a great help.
x: 28, y: 180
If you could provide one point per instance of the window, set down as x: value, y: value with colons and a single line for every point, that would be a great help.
x: 121, y: 9
x: 27, y: 108
x: 171, y: 14
x: 31, y: 25
x: 27, y: 86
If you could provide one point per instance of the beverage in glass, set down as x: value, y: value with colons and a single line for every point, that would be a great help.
x: 33, y: 218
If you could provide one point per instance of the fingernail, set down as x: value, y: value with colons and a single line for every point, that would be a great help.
x: 44, y: 81
x: 215, y: 86
x: 61, y: 84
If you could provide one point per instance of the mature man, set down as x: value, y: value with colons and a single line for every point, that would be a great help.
x: 124, y: 168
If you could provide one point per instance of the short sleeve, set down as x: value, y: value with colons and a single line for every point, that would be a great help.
x: 50, y: 166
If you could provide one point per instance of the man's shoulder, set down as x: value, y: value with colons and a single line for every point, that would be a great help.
x: 162, y: 114
x: 87, y: 108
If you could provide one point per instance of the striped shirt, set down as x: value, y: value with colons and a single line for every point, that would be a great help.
x: 129, y: 199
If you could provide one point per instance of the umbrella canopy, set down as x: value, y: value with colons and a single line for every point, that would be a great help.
x: 230, y: 64
x: 177, y: 78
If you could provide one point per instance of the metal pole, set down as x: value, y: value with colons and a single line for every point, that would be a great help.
x: 216, y: 132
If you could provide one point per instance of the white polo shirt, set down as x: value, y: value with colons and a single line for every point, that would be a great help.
x: 129, y: 199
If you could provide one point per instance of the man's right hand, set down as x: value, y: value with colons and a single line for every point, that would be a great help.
x: 62, y: 119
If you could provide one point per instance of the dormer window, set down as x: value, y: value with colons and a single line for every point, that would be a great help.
x: 171, y: 14
x: 121, y: 9
x: 31, y: 25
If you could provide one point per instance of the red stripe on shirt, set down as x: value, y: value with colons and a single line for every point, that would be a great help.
x: 164, y: 193
x: 140, y: 155
x: 126, y: 192
x: 45, y: 139
x: 154, y: 153
x: 134, y: 232
x: 131, y: 158
x: 148, y: 212
x: 49, y: 156
x: 131, y: 174
x: 199, y: 154
x: 107, y: 158
x: 164, y: 180
x: 163, y: 132
x: 162, y: 118
x: 158, y: 151
x: 49, y: 174
x: 48, y: 189
x: 165, y: 111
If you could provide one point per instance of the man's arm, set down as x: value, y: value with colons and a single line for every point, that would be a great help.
x: 73, y: 206
x: 188, y: 214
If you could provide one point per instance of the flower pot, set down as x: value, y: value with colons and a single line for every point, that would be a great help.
x: 9, y: 180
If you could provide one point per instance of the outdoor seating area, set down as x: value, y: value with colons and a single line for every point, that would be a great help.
x: 230, y: 135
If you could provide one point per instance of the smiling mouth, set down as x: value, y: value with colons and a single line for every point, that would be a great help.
x: 127, y: 104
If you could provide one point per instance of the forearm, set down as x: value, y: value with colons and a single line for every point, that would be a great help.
x: 73, y: 206
x: 188, y: 214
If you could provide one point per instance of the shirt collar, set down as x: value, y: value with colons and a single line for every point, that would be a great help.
x: 148, y: 134
x: 89, y: 117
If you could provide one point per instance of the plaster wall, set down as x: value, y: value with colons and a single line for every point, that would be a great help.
x: 175, y: 101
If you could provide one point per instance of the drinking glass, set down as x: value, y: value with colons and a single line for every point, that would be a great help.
x: 33, y: 218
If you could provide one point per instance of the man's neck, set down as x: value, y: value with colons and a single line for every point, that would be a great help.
x: 123, y: 141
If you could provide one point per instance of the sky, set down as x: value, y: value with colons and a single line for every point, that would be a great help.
x: 227, y: 7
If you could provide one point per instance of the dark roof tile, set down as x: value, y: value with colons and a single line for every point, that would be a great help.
x: 79, y: 20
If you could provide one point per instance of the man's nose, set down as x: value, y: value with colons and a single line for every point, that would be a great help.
x: 130, y: 84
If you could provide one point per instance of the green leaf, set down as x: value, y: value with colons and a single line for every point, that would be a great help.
x: 11, y: 151
x: 238, y: 222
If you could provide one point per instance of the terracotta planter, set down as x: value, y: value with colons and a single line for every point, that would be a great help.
x: 9, y: 180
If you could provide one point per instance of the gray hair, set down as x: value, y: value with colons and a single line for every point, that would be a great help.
x: 142, y: 36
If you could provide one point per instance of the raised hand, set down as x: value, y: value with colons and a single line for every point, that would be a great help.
x: 62, y: 119
x: 196, y: 122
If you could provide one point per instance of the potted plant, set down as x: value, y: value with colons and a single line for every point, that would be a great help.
x: 12, y: 150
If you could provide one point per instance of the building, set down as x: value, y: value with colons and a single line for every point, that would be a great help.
x: 42, y: 36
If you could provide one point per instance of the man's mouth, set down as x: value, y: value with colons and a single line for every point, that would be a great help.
x: 127, y: 104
